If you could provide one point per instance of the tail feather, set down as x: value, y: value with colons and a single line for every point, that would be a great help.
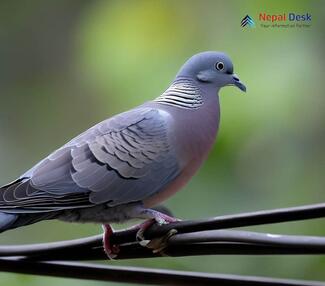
x: 11, y: 220
x: 7, y: 220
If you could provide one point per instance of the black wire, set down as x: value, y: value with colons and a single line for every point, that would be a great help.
x: 202, y: 237
x: 313, y: 242
x: 230, y: 221
x: 141, y: 275
x: 199, y: 243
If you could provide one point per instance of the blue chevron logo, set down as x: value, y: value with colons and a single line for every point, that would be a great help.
x: 247, y: 21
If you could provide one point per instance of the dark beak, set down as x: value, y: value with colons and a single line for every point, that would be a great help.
x: 238, y: 83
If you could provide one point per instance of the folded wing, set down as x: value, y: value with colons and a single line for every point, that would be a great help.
x: 123, y: 159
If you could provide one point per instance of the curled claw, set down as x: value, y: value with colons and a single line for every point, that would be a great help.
x: 159, y: 244
x: 142, y: 228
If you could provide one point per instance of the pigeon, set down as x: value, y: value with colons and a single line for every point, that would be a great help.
x: 127, y: 164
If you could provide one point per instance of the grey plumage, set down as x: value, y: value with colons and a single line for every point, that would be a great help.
x: 6, y: 220
x: 110, y: 171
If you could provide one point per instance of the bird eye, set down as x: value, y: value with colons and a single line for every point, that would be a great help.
x: 220, y: 66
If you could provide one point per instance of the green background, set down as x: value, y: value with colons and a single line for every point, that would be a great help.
x: 66, y: 65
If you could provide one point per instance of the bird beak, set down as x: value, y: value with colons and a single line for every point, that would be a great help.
x: 238, y: 83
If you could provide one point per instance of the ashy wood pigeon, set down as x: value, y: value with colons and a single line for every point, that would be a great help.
x: 123, y: 166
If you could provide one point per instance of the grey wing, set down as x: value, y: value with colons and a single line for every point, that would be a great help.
x: 124, y: 159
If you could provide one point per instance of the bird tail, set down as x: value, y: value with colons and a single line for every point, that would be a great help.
x: 10, y: 219
x: 14, y: 220
x: 7, y: 221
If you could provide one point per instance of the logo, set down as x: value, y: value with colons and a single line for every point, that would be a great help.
x: 247, y: 21
x: 278, y: 20
x: 284, y: 17
x: 285, y: 20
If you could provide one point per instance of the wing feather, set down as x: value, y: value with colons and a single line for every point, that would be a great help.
x: 120, y: 160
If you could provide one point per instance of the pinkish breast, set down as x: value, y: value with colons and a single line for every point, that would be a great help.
x: 179, y: 182
x: 193, y: 137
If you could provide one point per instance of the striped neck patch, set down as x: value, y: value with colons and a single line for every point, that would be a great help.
x: 182, y: 93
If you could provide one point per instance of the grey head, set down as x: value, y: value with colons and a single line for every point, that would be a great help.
x: 211, y: 68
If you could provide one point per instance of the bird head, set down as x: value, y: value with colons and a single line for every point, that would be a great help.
x: 213, y: 68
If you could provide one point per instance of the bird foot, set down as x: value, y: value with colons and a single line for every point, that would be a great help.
x: 110, y: 250
x: 157, y: 244
x: 159, y: 218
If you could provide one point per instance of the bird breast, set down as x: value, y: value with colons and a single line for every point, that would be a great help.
x: 193, y: 134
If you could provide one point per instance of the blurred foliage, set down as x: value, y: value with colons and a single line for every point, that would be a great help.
x: 66, y: 65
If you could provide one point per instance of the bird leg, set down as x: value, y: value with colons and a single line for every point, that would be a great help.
x: 110, y: 250
x: 157, y: 244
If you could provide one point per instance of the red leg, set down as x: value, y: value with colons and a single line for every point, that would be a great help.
x: 152, y: 216
x: 110, y: 250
